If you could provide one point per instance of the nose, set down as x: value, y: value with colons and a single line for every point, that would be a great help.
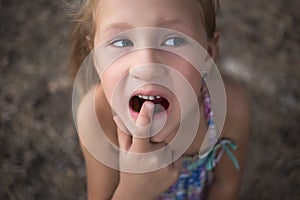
x: 148, y: 66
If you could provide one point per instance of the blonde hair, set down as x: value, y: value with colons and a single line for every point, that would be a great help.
x: 84, y: 28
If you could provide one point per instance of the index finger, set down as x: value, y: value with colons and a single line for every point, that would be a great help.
x: 140, y: 138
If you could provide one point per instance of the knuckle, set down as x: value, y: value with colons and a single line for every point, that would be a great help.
x: 143, y: 121
x: 141, y: 131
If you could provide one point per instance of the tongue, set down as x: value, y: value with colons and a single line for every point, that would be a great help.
x: 158, y: 108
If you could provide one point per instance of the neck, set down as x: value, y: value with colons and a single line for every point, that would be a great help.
x: 201, y: 132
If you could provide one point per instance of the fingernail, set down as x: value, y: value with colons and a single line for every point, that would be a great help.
x: 149, y: 105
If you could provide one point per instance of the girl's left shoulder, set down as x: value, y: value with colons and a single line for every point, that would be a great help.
x: 237, y: 123
x: 236, y: 129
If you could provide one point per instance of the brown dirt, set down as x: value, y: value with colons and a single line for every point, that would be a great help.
x: 39, y: 153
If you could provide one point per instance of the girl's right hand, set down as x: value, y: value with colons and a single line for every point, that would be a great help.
x: 148, y: 185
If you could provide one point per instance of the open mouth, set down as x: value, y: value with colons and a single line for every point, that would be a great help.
x: 136, y: 102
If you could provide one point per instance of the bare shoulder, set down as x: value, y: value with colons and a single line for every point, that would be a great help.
x: 236, y: 128
x: 238, y: 112
x: 95, y: 111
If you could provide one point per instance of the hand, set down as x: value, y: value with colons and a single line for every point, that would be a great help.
x: 151, y: 183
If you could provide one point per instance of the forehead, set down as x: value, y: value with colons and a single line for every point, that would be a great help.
x: 114, y: 16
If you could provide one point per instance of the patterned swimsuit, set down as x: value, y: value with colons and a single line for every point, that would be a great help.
x: 196, y: 174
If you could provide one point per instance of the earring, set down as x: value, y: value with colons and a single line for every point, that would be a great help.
x: 204, y: 74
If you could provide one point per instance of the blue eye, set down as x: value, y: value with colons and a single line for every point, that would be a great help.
x: 121, y: 43
x: 174, y: 41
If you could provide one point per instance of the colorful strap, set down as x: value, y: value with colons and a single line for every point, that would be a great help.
x: 214, y: 156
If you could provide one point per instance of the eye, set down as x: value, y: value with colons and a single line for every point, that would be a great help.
x: 174, y: 41
x: 120, y: 43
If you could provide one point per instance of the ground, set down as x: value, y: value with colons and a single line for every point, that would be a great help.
x: 39, y: 153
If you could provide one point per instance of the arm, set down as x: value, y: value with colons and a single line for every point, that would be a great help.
x: 101, y: 180
x: 227, y: 177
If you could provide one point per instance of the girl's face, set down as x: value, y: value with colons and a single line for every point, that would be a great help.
x: 116, y: 16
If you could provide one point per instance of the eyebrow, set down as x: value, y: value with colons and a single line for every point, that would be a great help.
x: 122, y: 26
x: 169, y: 23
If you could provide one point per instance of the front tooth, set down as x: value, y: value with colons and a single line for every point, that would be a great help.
x: 145, y: 97
x: 151, y: 98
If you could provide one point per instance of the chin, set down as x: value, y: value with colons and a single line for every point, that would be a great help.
x: 157, y: 139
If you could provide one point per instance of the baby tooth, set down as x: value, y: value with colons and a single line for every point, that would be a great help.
x: 151, y: 98
x: 157, y: 97
x: 145, y: 97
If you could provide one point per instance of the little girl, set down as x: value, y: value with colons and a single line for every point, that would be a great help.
x: 144, y: 98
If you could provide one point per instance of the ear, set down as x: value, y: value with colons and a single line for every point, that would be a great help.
x: 89, y: 42
x: 213, y: 44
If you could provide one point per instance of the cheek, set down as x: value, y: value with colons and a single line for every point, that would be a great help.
x: 113, y: 74
x: 107, y: 87
x: 189, y: 72
x: 195, y: 80
x: 109, y: 81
